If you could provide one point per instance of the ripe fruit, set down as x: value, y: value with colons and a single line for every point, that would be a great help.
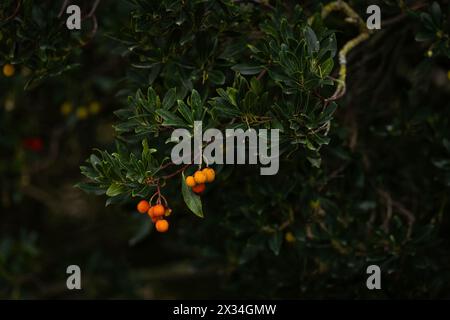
x: 143, y: 206
x: 190, y: 181
x: 199, y: 177
x: 199, y: 188
x: 158, y: 210
x: 150, y: 212
x: 162, y: 225
x: 210, y: 174
x: 33, y: 144
x: 8, y: 70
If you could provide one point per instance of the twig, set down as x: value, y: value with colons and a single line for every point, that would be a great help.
x: 64, y: 6
x: 408, y: 215
x: 261, y: 74
x: 177, y: 172
x: 16, y: 11
x: 94, y: 7
x: 390, y: 203
x: 388, y: 199
x: 354, y: 18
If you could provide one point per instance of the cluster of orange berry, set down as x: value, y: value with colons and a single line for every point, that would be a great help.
x: 157, y: 213
x: 200, y: 177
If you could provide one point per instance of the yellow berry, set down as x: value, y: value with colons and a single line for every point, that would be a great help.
x: 210, y: 174
x: 190, y: 181
x: 66, y: 108
x: 8, y: 70
x: 168, y: 212
x: 94, y: 107
x: 82, y: 113
x: 289, y: 237
x: 199, y: 177
x: 314, y: 204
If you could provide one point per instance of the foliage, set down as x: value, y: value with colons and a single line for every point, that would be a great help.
x: 364, y: 176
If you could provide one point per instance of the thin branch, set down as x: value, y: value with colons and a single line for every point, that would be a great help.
x: 64, y: 6
x: 177, y: 172
x: 390, y: 203
x: 16, y: 11
x: 94, y: 7
x: 261, y: 74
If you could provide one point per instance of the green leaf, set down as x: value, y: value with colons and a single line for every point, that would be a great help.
x: 185, y: 111
x: 424, y: 36
x: 311, y: 40
x: 170, y: 119
x: 327, y: 114
x: 169, y: 99
x: 327, y: 67
x: 151, y: 98
x: 427, y: 21
x: 275, y: 242
x: 315, y: 161
x: 247, y: 69
x: 115, y: 189
x: 217, y: 77
x: 91, y: 188
x: 436, y: 13
x: 196, y: 104
x: 192, y: 200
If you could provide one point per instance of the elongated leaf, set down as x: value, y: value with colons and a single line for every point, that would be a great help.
x: 169, y: 99
x: 275, y: 242
x: 246, y: 69
x: 170, y: 119
x: 311, y: 40
x: 115, y: 189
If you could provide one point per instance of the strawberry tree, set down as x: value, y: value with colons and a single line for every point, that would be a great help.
x: 270, y: 71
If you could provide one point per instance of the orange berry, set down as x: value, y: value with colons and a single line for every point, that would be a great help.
x: 150, y: 212
x: 199, y: 188
x: 143, y: 206
x: 190, y: 181
x: 162, y: 225
x: 199, y: 177
x: 210, y: 174
x: 158, y: 210
x: 8, y: 70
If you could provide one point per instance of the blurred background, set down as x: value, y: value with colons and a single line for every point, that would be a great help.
x: 386, y: 170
